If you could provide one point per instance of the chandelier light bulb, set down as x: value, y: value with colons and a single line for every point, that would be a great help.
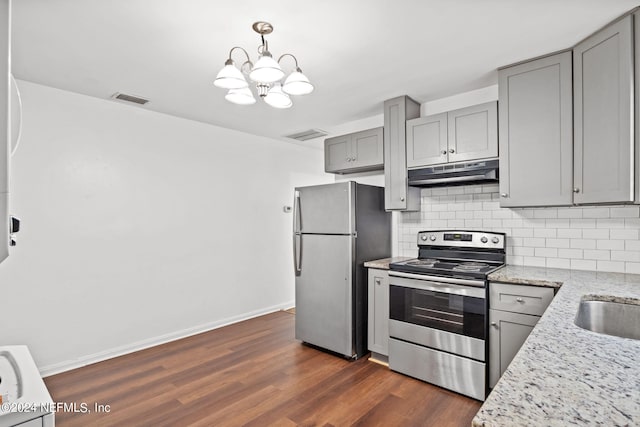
x: 230, y: 77
x: 242, y: 96
x: 277, y: 98
x: 297, y: 84
x: 266, y: 70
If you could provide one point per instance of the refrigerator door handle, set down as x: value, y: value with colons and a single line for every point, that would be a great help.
x: 297, y: 253
x: 296, y: 212
x: 297, y: 237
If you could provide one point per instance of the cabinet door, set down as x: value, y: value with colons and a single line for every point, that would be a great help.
x: 378, y: 305
x: 427, y: 140
x: 367, y: 148
x: 337, y: 153
x: 473, y: 132
x: 507, y: 333
x: 397, y: 194
x: 603, y: 108
x: 536, y: 133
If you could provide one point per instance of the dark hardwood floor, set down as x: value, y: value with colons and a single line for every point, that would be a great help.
x: 252, y: 373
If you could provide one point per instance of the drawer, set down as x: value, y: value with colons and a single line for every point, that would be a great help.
x: 519, y: 298
x: 462, y: 375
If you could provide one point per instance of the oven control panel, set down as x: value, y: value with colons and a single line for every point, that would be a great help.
x: 463, y: 239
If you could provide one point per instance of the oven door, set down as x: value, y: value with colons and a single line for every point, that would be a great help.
x: 442, y: 315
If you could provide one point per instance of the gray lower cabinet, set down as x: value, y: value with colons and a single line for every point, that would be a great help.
x: 507, y: 333
x: 355, y: 152
x: 378, y: 316
x: 460, y: 135
x: 603, y: 115
x: 514, y: 311
x: 397, y: 193
x: 536, y: 132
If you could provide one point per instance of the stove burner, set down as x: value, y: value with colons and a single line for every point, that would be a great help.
x: 427, y: 262
x: 470, y: 266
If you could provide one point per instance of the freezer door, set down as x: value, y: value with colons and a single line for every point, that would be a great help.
x: 324, y: 309
x: 325, y: 209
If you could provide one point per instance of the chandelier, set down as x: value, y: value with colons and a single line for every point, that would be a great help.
x: 266, y: 73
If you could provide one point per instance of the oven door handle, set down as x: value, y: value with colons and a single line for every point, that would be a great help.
x: 438, y: 287
x: 447, y: 280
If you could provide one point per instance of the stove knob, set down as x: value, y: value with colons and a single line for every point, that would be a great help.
x: 423, y: 237
x: 432, y: 237
x: 484, y: 239
x: 495, y: 240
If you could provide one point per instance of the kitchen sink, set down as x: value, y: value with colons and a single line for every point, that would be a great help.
x: 610, y: 318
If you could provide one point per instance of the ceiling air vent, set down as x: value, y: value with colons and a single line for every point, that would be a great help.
x: 307, y: 134
x: 129, y: 98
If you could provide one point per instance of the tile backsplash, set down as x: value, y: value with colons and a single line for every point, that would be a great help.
x: 602, y: 238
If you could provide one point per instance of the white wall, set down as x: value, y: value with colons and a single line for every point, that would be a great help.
x: 139, y: 227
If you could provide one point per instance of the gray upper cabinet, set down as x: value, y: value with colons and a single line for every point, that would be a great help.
x: 636, y: 44
x: 536, y: 132
x: 603, y: 115
x: 427, y: 140
x: 397, y: 194
x: 355, y: 152
x: 466, y: 134
x: 473, y: 132
x: 337, y: 152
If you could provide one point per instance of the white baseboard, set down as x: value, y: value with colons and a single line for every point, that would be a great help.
x: 68, y: 365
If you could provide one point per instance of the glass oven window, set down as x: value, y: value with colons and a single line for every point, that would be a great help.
x: 459, y: 314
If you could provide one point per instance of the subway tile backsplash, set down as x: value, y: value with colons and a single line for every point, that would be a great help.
x: 585, y: 238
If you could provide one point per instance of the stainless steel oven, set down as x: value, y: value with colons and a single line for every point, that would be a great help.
x: 438, y: 310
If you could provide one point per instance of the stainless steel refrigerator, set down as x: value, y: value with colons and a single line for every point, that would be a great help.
x: 336, y: 228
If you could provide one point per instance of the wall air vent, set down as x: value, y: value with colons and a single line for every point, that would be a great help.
x: 307, y: 134
x: 129, y: 98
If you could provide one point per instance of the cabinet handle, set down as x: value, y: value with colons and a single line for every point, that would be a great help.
x: 576, y: 190
x: 519, y: 299
x: 378, y: 282
x: 504, y: 195
x: 402, y: 199
x: 451, y: 150
x: 494, y: 324
x: 443, y: 152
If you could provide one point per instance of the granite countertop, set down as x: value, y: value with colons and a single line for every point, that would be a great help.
x: 565, y: 375
x: 383, y: 263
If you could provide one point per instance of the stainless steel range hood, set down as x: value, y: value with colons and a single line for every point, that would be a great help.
x: 483, y: 171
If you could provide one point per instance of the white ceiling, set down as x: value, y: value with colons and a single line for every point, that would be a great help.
x: 357, y: 53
